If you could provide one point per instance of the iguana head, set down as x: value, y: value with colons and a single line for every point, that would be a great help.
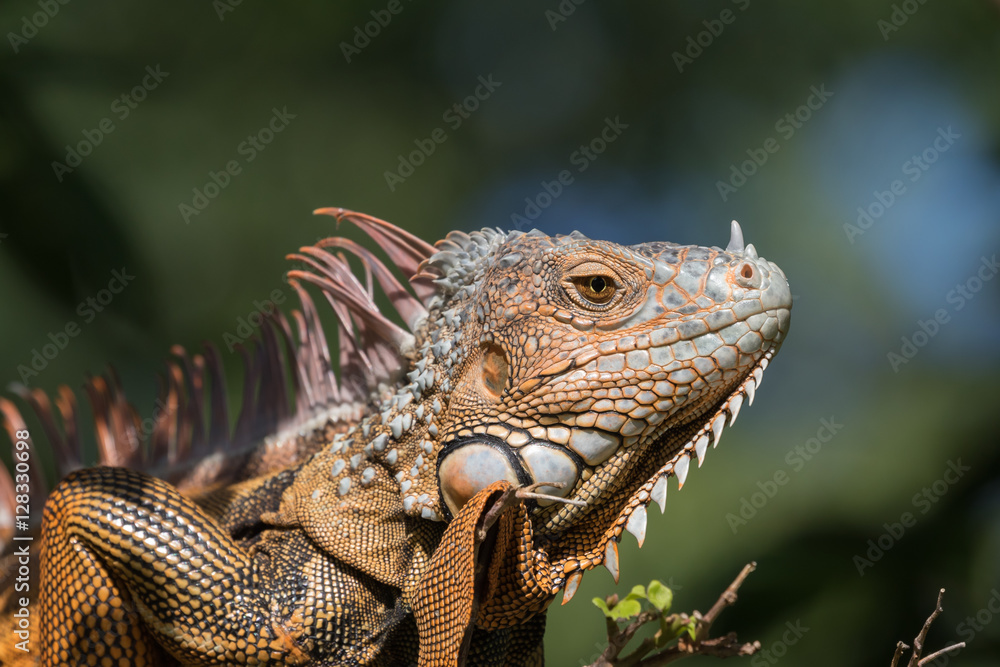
x: 597, y: 365
x: 585, y: 371
x: 582, y: 373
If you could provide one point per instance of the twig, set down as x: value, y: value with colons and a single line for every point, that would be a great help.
x: 937, y: 654
x: 721, y: 647
x: 918, y: 642
x: 727, y: 599
x: 900, y: 648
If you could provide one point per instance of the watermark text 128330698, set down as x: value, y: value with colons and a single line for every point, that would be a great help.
x: 21, y: 599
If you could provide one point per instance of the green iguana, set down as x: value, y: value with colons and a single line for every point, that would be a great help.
x: 426, y: 503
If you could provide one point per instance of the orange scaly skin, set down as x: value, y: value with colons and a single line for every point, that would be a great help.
x: 426, y: 506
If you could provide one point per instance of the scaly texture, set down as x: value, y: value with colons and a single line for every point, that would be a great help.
x: 426, y: 505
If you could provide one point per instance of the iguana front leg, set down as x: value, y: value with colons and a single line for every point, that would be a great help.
x: 129, y: 565
x: 472, y: 605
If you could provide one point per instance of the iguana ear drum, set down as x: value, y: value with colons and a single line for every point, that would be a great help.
x: 495, y: 370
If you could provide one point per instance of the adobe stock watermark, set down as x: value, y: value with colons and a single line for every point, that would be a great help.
x: 914, y: 168
x: 22, y: 622
x: 900, y: 14
x: 31, y: 25
x: 121, y: 107
x: 922, y: 500
x: 248, y: 149
x: 696, y: 44
x: 87, y: 310
x: 958, y: 297
x: 771, y: 654
x: 366, y: 32
x: 561, y: 13
x: 246, y: 326
x: 454, y: 116
x: 796, y: 460
x: 581, y: 158
x: 223, y: 7
x: 786, y: 127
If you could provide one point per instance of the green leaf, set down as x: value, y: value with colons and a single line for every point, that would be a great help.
x: 692, y: 629
x: 625, y: 609
x: 660, y: 596
x: 603, y: 606
x: 638, y: 593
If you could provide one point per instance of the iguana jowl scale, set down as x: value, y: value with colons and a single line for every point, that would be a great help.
x: 427, y: 505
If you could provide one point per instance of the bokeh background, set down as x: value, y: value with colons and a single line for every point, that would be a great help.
x: 696, y: 89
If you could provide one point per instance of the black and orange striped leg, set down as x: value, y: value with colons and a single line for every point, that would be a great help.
x: 129, y: 565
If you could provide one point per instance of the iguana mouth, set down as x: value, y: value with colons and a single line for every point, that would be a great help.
x: 678, y: 450
x: 525, y: 457
x: 563, y: 456
x: 691, y: 433
x: 633, y: 517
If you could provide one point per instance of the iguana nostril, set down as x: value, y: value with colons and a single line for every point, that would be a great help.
x: 749, y: 275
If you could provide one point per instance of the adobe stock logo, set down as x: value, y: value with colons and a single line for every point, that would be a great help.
x: 696, y: 44
x: 899, y: 17
x: 38, y: 20
x: 914, y: 168
x: 922, y: 500
x: 786, y: 126
x: 364, y: 34
x: 246, y: 326
x: 796, y: 459
x: 87, y: 310
x: 927, y: 329
x: 122, y: 106
x: 561, y: 13
x: 779, y: 649
x: 581, y: 158
x: 249, y: 149
x: 454, y: 116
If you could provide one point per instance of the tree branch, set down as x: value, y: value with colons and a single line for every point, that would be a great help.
x: 918, y: 642
x: 900, y: 649
x: 728, y: 598
x: 937, y: 654
x: 681, y: 647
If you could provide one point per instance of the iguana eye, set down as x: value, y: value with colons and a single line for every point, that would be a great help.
x: 595, y: 289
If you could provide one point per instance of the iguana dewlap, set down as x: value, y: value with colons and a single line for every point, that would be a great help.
x: 427, y: 502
